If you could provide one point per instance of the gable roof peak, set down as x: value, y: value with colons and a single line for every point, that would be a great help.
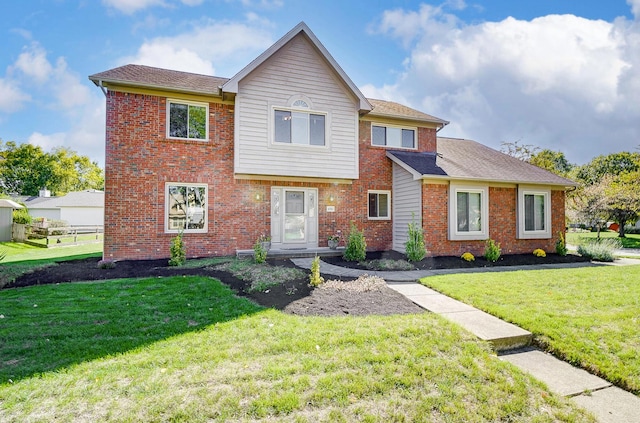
x: 231, y: 86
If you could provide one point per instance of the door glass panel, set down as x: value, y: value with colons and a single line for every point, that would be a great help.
x: 294, y: 220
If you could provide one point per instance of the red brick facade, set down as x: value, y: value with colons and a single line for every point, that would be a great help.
x: 140, y: 160
x: 502, y: 223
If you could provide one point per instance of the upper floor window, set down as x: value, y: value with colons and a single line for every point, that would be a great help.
x: 393, y: 136
x: 299, y: 127
x: 380, y: 205
x: 534, y: 213
x: 187, y: 120
x: 468, y: 213
x: 186, y: 207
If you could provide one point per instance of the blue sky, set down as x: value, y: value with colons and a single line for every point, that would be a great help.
x: 558, y: 74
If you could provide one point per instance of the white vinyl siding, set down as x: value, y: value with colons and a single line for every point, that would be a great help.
x: 296, y: 70
x: 534, y: 213
x: 406, y: 207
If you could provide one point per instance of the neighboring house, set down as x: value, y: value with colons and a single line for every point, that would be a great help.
x: 289, y: 147
x: 6, y: 218
x: 79, y: 208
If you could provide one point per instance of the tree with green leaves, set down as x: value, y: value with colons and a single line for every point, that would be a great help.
x: 553, y: 161
x: 609, y: 189
x: 25, y: 169
x: 623, y: 199
x: 522, y: 152
x: 611, y: 164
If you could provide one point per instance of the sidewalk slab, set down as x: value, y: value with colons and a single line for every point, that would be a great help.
x: 502, y: 335
x: 611, y: 405
x: 412, y: 289
x: 440, y: 304
x: 560, y: 377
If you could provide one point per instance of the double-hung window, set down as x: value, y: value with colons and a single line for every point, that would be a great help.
x: 187, y: 120
x: 534, y: 213
x: 379, y: 205
x: 299, y: 127
x: 186, y: 207
x: 393, y: 136
x: 468, y: 213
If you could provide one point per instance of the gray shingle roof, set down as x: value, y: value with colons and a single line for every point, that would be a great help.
x: 89, y: 198
x: 396, y: 110
x: 469, y: 160
x: 150, y: 77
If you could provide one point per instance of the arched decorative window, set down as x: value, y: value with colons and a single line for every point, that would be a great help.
x: 298, y: 124
x: 301, y: 104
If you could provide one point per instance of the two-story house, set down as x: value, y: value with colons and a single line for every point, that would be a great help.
x: 290, y: 148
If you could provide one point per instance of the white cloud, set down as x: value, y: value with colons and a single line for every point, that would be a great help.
x: 635, y: 8
x: 33, y: 62
x: 207, y: 48
x: 560, y: 82
x: 11, y: 97
x: 129, y: 7
x: 85, y: 136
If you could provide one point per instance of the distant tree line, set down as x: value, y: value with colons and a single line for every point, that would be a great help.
x: 608, y: 186
x: 26, y: 168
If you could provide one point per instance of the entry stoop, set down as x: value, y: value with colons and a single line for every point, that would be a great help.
x: 275, y: 253
x: 503, y: 336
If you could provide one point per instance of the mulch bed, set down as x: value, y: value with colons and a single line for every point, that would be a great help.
x: 295, y: 296
x: 455, y: 262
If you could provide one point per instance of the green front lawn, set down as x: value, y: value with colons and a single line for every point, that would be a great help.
x: 630, y: 240
x: 186, y: 349
x: 21, y: 258
x: 589, y: 316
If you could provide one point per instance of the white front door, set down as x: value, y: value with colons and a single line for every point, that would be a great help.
x: 294, y: 217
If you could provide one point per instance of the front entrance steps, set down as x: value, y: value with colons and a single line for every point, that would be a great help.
x: 295, y: 252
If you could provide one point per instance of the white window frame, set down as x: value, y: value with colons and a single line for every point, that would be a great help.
x: 409, y: 128
x: 167, y: 227
x: 188, y: 103
x: 378, y: 192
x: 534, y: 234
x: 292, y: 110
x: 454, y: 233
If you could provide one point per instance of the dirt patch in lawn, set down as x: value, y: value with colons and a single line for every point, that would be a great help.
x: 338, y: 297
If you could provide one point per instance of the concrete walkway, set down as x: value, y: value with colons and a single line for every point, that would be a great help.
x: 606, y: 402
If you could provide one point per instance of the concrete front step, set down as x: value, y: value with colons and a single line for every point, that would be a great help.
x: 295, y: 252
x: 503, y: 336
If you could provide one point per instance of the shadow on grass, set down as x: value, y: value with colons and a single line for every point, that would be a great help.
x: 51, y: 327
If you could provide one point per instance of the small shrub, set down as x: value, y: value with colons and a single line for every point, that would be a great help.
x: 561, y: 245
x: 467, y: 257
x: 314, y: 278
x: 539, y: 252
x: 106, y: 264
x: 178, y: 251
x: 22, y: 216
x: 492, y: 251
x: 259, y: 252
x: 414, y: 247
x: 356, y: 249
x: 388, y: 264
x: 600, y: 250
